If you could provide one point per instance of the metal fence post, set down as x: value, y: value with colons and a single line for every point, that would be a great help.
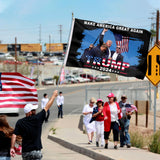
x: 86, y: 94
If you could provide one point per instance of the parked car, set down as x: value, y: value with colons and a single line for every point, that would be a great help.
x: 6, y: 56
x: 58, y: 62
x: 35, y: 62
x: 48, y: 81
x: 2, y: 56
x: 81, y: 80
x: 89, y: 76
x: 102, y: 77
x: 70, y: 79
x: 8, y: 110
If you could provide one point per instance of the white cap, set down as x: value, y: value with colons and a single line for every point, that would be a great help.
x: 28, y: 107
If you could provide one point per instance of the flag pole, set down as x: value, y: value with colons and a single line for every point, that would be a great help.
x: 64, y: 62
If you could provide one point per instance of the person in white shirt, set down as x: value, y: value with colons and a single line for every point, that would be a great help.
x: 117, y: 55
x: 44, y: 101
x: 87, y: 115
x: 60, y: 103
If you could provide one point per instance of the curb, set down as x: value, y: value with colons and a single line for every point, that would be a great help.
x: 78, y: 149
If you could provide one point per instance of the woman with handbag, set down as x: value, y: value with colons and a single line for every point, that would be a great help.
x: 112, y: 113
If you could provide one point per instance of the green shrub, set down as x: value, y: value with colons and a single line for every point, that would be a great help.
x: 154, y: 145
x: 137, y: 139
x: 53, y: 130
x: 56, y: 77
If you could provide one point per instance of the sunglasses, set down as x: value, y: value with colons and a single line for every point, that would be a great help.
x: 118, y: 47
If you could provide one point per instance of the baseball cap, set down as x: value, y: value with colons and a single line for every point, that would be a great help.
x: 110, y: 95
x: 124, y: 96
x: 100, y: 100
x: 28, y: 107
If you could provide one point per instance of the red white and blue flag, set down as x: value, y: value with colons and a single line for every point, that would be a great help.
x: 122, y: 41
x: 16, y: 90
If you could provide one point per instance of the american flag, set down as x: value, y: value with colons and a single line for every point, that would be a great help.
x: 16, y: 90
x: 62, y: 76
x: 122, y: 41
x: 130, y: 108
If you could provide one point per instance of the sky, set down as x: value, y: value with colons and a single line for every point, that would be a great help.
x: 23, y: 18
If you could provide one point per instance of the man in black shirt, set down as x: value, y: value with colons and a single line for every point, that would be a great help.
x: 30, y: 128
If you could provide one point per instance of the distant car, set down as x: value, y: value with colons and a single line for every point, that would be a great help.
x: 48, y: 81
x: 89, y: 76
x: 102, y: 77
x: 11, y: 110
x: 35, y: 62
x: 81, y: 80
x: 70, y: 79
x: 2, y: 56
x: 58, y: 62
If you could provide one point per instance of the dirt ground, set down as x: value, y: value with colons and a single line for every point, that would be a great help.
x: 142, y: 123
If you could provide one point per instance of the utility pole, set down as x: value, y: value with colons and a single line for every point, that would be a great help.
x: 157, y: 28
x: 49, y: 43
x: 38, y: 54
x: 15, y: 54
x: 156, y: 87
x: 60, y: 31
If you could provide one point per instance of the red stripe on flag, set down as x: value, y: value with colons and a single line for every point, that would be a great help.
x: 19, y: 89
x: 18, y: 95
x: 19, y: 100
x: 14, y: 84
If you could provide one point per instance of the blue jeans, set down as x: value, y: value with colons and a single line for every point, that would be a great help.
x: 124, y: 135
x: 60, y: 111
x: 5, y: 158
x: 32, y: 155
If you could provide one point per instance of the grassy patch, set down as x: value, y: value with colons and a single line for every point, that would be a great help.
x: 53, y: 130
x: 154, y: 145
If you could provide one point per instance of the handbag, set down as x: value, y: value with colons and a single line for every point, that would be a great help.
x: 18, y: 149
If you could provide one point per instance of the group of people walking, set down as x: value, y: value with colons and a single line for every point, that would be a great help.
x: 103, y: 117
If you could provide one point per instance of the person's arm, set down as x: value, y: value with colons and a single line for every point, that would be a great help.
x: 12, y: 150
x: 50, y: 102
x: 102, y: 36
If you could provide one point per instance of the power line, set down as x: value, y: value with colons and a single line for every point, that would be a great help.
x: 60, y: 32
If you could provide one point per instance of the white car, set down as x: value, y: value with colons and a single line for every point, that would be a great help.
x: 58, y: 62
x: 9, y: 111
x: 102, y: 77
x: 81, y: 80
x: 48, y: 81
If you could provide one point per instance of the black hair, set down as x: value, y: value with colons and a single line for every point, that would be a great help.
x: 60, y: 92
x: 45, y: 94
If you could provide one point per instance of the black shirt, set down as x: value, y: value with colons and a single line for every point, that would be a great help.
x: 30, y: 129
x: 5, y: 144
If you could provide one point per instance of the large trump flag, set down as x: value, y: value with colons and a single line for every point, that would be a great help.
x: 108, y: 48
x: 16, y: 90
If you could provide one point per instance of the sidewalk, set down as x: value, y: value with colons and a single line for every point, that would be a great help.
x: 68, y: 135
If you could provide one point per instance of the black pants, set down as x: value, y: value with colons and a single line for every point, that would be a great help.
x: 60, y: 111
x: 47, y: 116
x: 115, y: 128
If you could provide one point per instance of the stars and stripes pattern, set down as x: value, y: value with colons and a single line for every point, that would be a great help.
x: 16, y: 90
x: 122, y: 41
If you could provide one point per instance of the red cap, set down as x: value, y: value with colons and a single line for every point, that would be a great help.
x: 99, y: 100
x: 110, y: 95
